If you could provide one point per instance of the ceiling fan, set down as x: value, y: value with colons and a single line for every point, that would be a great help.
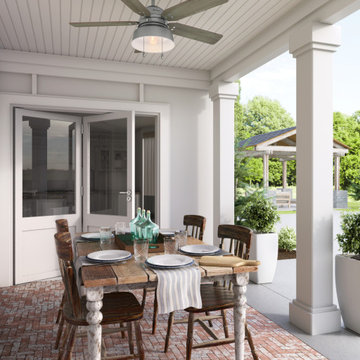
x: 155, y: 28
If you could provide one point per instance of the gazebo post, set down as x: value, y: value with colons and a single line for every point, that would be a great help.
x: 284, y: 174
x: 337, y: 172
x: 266, y: 170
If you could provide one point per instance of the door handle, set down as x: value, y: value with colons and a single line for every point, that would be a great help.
x: 128, y: 192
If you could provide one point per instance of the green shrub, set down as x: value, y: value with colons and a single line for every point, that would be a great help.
x: 287, y: 238
x: 349, y: 241
x: 257, y: 212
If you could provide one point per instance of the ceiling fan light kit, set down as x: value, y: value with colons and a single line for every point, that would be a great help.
x: 154, y: 33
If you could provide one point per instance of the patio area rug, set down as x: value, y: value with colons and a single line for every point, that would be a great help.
x: 28, y: 331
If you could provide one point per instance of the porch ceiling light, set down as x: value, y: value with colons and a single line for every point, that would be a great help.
x: 153, y: 38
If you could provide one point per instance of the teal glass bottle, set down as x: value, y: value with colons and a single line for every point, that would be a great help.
x: 134, y: 222
x: 138, y: 232
x: 149, y: 229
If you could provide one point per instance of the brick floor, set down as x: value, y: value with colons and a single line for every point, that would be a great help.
x: 27, y: 331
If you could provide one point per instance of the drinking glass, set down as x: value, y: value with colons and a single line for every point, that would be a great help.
x: 181, y: 237
x: 105, y: 235
x: 119, y: 228
x: 170, y: 245
x: 141, y: 249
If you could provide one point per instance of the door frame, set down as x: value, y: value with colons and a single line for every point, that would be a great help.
x: 65, y: 104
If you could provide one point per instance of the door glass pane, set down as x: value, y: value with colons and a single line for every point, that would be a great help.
x: 108, y: 167
x: 48, y: 167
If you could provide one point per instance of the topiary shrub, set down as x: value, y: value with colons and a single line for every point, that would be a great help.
x: 258, y: 213
x: 349, y: 241
x: 287, y: 238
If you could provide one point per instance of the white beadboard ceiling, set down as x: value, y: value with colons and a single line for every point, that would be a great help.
x: 42, y: 26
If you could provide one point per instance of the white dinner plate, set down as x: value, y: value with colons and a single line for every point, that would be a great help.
x: 171, y: 260
x: 92, y: 236
x: 109, y: 255
x: 199, y: 249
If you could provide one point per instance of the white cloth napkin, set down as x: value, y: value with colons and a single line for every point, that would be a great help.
x: 178, y: 289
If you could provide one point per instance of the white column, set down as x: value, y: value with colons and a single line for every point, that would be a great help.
x: 266, y: 171
x: 223, y: 96
x: 313, y: 310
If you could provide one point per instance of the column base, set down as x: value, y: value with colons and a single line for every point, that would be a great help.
x: 315, y: 321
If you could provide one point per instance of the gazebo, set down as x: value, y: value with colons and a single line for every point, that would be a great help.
x: 281, y: 144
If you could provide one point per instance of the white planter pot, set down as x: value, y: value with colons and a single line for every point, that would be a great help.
x: 347, y: 277
x: 264, y: 248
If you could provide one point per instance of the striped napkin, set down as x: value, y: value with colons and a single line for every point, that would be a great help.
x: 178, y: 289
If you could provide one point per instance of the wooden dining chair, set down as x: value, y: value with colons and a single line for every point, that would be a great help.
x: 195, y: 226
x: 217, y: 297
x: 61, y: 226
x: 119, y: 307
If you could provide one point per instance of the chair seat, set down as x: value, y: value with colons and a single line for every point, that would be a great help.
x: 214, y: 298
x: 117, y: 307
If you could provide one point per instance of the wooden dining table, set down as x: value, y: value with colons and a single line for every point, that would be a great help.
x: 129, y: 275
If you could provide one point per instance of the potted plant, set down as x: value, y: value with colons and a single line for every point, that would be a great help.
x: 259, y: 214
x: 347, y: 271
x: 287, y: 243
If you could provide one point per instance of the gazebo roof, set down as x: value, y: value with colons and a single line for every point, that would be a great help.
x: 280, y: 144
x: 259, y: 139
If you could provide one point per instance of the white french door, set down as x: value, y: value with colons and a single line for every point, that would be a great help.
x: 47, y: 177
x: 108, y: 169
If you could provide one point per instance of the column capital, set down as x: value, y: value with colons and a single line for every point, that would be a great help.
x: 314, y: 36
x: 223, y: 90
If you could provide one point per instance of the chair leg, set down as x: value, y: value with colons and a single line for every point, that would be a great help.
x: 189, y: 339
x: 225, y: 324
x: 210, y: 322
x: 59, y: 333
x: 129, y: 330
x: 122, y: 332
x: 170, y: 324
x: 59, y: 315
x: 155, y: 314
x: 64, y: 341
x: 250, y: 341
x: 139, y: 343
x: 71, y: 342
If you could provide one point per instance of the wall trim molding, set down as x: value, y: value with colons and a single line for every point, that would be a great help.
x: 91, y: 69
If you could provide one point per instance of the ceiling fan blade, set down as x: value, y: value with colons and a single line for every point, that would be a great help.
x: 137, y: 6
x: 190, y: 7
x: 194, y: 33
x: 103, y: 23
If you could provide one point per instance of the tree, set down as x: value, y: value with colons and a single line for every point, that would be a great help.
x: 347, y: 131
x: 259, y: 116
x: 262, y: 115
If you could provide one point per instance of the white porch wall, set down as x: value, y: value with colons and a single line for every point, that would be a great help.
x: 191, y: 148
x: 190, y: 129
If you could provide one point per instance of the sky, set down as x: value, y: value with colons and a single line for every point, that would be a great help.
x: 277, y: 79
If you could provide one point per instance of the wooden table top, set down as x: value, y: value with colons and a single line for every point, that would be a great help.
x: 132, y: 273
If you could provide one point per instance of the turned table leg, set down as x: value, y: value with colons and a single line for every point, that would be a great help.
x: 240, y: 281
x: 94, y: 317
